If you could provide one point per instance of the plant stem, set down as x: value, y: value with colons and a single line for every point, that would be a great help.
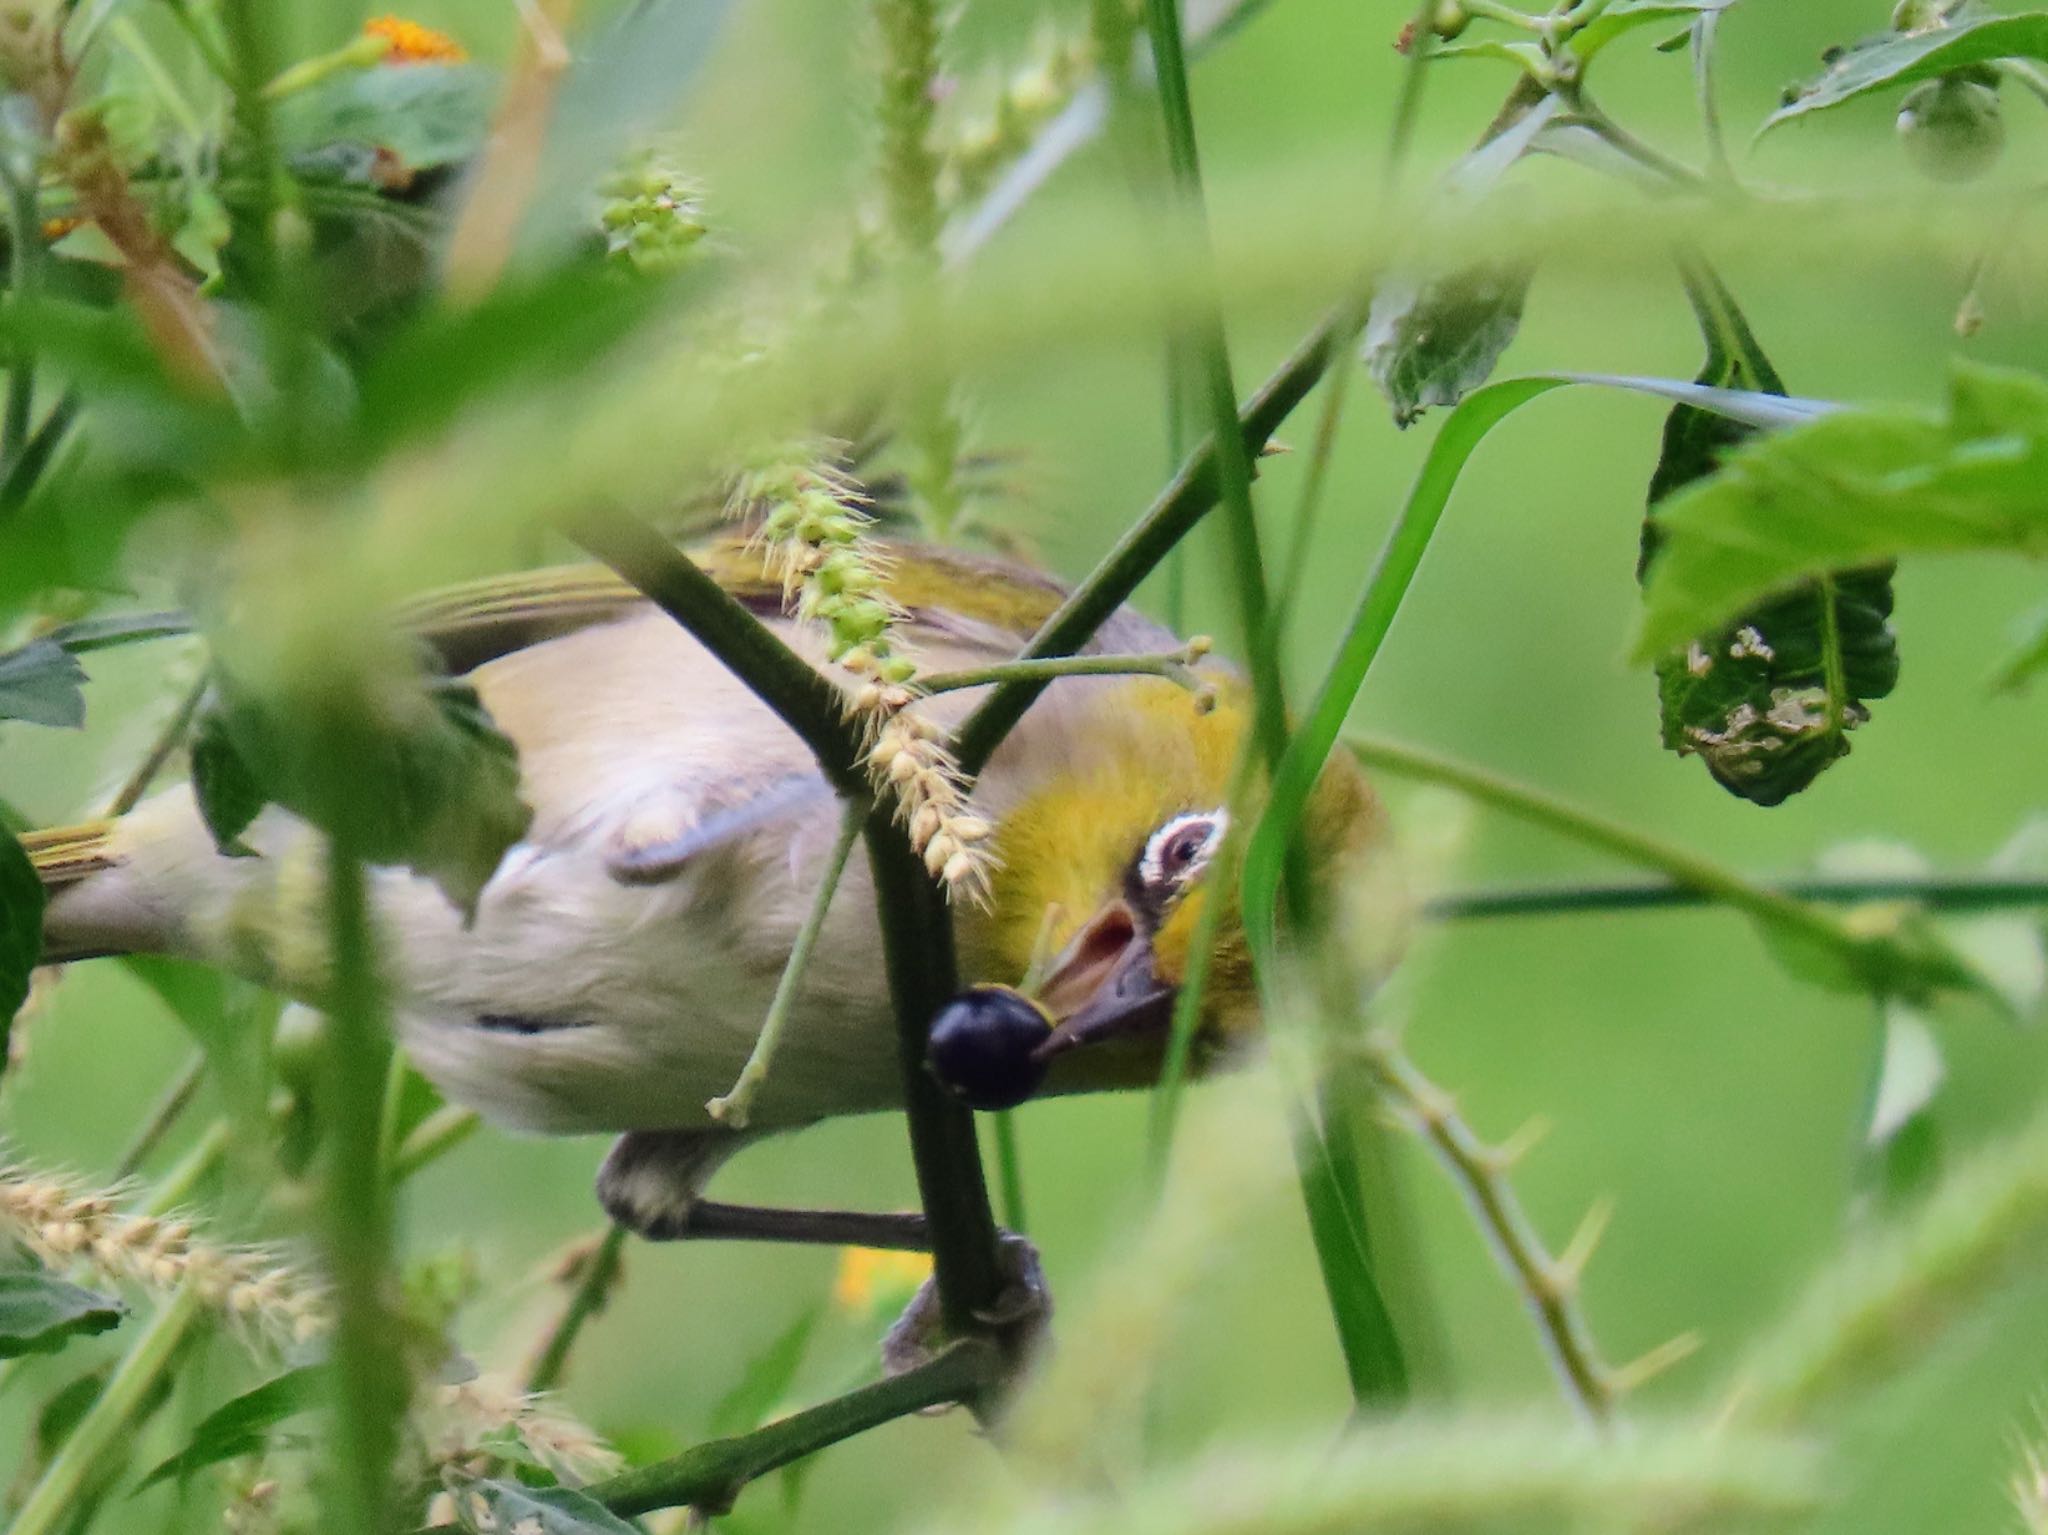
x: 806, y: 701
x: 24, y: 262
x: 917, y: 930
x: 917, y: 947
x: 734, y: 1107
x: 1957, y: 893
x: 1171, y: 664
x: 48, y: 1509
x: 166, y: 1113
x: 593, y: 1291
x: 1183, y: 503
x: 910, y: 31
x: 160, y: 752
x: 1710, y: 879
x: 369, y: 1380
x: 431, y: 1139
x: 1010, y: 1171
x: 711, y: 1475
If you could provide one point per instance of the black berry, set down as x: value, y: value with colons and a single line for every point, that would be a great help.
x: 981, y: 1047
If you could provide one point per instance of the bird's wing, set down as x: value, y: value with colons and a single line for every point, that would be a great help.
x: 967, y: 599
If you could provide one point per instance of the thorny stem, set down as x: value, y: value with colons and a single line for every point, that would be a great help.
x: 602, y: 1264
x: 710, y: 1476
x: 1958, y: 893
x: 733, y: 1108
x: 1548, y: 1283
x: 1170, y: 664
x: 49, y: 1507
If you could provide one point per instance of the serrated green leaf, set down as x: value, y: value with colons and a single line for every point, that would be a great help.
x: 21, y: 930
x: 1434, y: 342
x: 1624, y: 16
x: 1432, y: 339
x: 1902, y: 58
x: 1854, y: 488
x: 39, y: 683
x: 242, y: 1425
x: 39, y: 1314
x: 535, y: 1511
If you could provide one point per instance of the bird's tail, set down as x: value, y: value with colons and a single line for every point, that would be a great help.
x: 64, y: 855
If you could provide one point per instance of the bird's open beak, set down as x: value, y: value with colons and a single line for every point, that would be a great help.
x: 1103, y: 985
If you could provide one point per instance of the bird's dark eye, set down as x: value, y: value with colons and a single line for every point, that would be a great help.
x: 1180, y: 849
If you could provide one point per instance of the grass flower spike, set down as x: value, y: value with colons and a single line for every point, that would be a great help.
x: 64, y: 1224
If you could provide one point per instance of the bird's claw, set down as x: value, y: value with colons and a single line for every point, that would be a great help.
x: 1018, y: 1315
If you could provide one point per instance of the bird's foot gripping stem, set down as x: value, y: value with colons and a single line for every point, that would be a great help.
x: 1018, y: 1317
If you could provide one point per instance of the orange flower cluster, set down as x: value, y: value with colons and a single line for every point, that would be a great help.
x: 410, y: 43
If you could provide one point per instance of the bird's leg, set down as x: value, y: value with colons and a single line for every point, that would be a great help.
x: 652, y: 1183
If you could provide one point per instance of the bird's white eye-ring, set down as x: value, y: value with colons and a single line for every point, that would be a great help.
x: 1181, y: 849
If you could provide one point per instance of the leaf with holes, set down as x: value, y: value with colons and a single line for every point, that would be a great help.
x: 1768, y: 700
x: 1903, y: 58
x: 39, y: 1314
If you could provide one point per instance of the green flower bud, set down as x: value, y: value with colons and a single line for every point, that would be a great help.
x: 1451, y: 18
x: 1952, y: 128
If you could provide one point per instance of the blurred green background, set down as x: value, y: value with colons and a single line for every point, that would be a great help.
x: 1715, y: 1100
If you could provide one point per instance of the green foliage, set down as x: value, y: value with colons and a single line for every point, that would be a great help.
x: 415, y: 773
x: 21, y: 929
x: 382, y: 127
x: 228, y: 793
x: 1902, y: 58
x: 1624, y: 16
x: 39, y: 682
x: 1769, y: 700
x: 1851, y: 489
x: 242, y: 1424
x: 39, y: 1314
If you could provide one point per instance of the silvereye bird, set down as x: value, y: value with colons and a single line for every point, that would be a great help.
x: 622, y: 957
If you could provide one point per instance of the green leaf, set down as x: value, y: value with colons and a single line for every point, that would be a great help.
x: 1852, y: 489
x: 40, y: 683
x: 228, y: 793
x: 384, y: 126
x: 1901, y: 1142
x: 407, y: 770
x: 1901, y: 58
x: 1433, y: 342
x: 2029, y: 654
x: 1432, y: 339
x: 1768, y: 701
x: 768, y: 1377
x: 242, y: 1425
x: 39, y: 1314
x: 536, y: 1511
x: 1625, y: 16
x: 21, y: 930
